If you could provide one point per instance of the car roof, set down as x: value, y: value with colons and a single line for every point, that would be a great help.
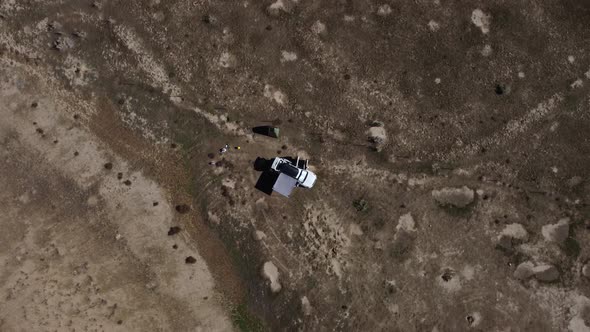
x: 288, y: 169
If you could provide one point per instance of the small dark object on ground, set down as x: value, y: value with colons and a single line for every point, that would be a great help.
x: 267, y: 131
x: 155, y: 204
x: 261, y: 164
x: 211, y: 155
x: 190, y: 260
x: 127, y: 182
x: 182, y: 208
x: 448, y: 275
x: 119, y: 175
x: 108, y: 166
x: 174, y: 230
x: 360, y: 205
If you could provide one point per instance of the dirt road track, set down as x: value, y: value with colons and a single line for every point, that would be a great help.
x: 84, y: 246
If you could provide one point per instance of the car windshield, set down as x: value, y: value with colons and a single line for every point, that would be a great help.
x: 288, y: 169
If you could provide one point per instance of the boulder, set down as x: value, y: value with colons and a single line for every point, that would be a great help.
x: 457, y: 197
x: 259, y: 235
x: 280, y: 6
x: 377, y: 135
x: 271, y: 273
x: 406, y: 222
x: 511, y: 234
x: 574, y: 181
x: 558, y: 232
x: 586, y: 270
x: 515, y: 231
x: 306, y: 306
x: 524, y: 270
x: 546, y: 273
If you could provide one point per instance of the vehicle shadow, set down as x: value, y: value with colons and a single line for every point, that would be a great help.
x: 268, y: 177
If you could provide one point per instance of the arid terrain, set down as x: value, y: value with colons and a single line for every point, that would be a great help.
x: 451, y: 140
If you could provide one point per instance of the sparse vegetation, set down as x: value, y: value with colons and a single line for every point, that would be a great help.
x: 360, y: 205
x: 245, y: 321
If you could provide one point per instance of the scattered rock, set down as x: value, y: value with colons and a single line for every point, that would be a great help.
x: 574, y: 181
x: 118, y: 237
x: 63, y: 43
x: 406, y: 223
x: 457, y: 197
x: 284, y: 6
x: 174, y: 230
x: 384, y: 10
x: 305, y: 306
x: 580, y: 314
x: 271, y: 273
x: 182, y: 208
x: 275, y: 94
x: 79, y: 34
x: 486, y: 50
x: 449, y: 280
x: 376, y: 123
x: 209, y: 19
x: 287, y: 56
x: 512, y: 234
x: 558, y: 232
x: 259, y: 235
x: 54, y: 27
x: 473, y: 319
x: 481, y: 20
x: 586, y: 270
x: 190, y: 260
x: 127, y: 182
x: 227, y: 60
x: 377, y: 135
x: 319, y: 28
x: 119, y: 176
x: 433, y: 26
x: 524, y: 270
x: 546, y: 273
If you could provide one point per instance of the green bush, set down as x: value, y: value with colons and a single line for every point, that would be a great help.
x: 360, y: 205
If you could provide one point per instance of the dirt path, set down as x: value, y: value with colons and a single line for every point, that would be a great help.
x: 85, y: 244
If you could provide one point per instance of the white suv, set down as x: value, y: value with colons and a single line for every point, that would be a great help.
x: 305, y: 178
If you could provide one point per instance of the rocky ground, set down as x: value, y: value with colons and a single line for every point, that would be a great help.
x: 450, y: 141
